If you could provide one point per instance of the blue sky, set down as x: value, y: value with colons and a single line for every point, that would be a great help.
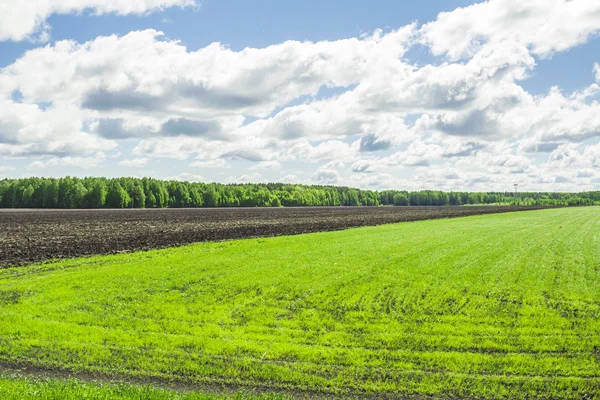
x: 240, y: 24
x: 483, y: 105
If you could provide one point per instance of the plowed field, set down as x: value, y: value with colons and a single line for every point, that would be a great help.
x: 37, y: 235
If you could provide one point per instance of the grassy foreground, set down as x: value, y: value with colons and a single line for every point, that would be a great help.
x: 14, y: 387
x: 504, y: 305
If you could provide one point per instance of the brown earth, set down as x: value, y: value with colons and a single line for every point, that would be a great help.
x: 37, y: 235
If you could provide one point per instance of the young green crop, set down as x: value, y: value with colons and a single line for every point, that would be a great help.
x: 15, y: 387
x: 496, y: 306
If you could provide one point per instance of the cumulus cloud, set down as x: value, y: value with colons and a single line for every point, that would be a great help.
x: 179, y: 149
x: 363, y: 166
x: 266, y: 165
x: 418, y: 154
x: 545, y: 26
x: 20, y: 20
x: 140, y: 86
x: 134, y: 162
x: 464, y: 122
x: 244, y: 154
x: 186, y: 177
x: 30, y: 129
x: 326, y: 177
x: 460, y: 149
x: 586, y: 173
x: 555, y: 117
x: 82, y: 144
x: 532, y: 146
x: 513, y: 164
x: 118, y: 128
x: 374, y: 143
x: 291, y: 178
x: 142, y: 72
x: 247, y: 178
x: 71, y: 162
x: 474, y: 123
x: 216, y: 163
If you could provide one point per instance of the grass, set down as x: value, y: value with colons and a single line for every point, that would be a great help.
x: 504, y: 305
x: 15, y: 387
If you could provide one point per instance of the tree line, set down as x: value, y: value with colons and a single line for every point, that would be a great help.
x: 70, y: 192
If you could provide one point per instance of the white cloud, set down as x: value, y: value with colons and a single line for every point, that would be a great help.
x: 326, y: 177
x: 216, y: 163
x: 463, y: 123
x: 363, y: 166
x: 179, y: 149
x: 30, y: 130
x: 291, y: 178
x: 554, y: 118
x: 77, y: 162
x: 186, y: 177
x: 20, y: 20
x: 141, y: 73
x: 545, y: 26
x: 324, y: 151
x: 586, y: 173
x: 134, y: 162
x: 140, y: 86
x: 266, y: 165
x: 83, y: 144
x: 247, y: 178
x: 417, y: 154
x: 333, y: 164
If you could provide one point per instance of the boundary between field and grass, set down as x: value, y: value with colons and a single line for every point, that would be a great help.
x: 83, y: 243
x: 224, y: 388
x: 215, y: 388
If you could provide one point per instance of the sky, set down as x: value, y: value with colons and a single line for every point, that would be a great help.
x: 438, y: 94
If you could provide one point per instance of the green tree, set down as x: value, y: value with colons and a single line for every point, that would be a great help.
x: 138, y: 197
x: 117, y: 197
x: 210, y: 197
x: 28, y: 196
x: 400, y: 199
x: 96, y: 196
x: 75, y: 195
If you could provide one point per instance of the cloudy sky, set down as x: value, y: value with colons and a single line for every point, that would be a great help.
x: 437, y: 94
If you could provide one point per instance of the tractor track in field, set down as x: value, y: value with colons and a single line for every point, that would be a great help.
x: 28, y: 236
x: 218, y: 385
x: 215, y: 386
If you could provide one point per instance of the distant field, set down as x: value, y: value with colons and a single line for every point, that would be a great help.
x: 37, y: 235
x: 491, y: 306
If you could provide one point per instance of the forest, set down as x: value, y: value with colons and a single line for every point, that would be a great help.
x: 127, y: 192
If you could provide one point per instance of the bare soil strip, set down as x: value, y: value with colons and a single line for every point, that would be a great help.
x: 28, y: 236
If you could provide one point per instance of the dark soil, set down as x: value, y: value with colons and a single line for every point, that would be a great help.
x: 36, y: 235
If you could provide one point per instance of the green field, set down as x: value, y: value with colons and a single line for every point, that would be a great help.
x: 503, y: 305
x: 16, y: 387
